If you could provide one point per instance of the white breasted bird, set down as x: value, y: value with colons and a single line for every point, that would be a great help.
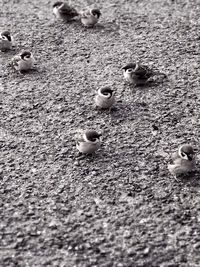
x: 5, y: 41
x: 136, y: 73
x: 90, y: 17
x: 183, y: 161
x: 104, y: 98
x: 87, y: 142
x: 64, y: 11
x: 23, y: 62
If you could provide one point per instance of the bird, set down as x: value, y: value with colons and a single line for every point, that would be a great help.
x: 23, y: 61
x: 5, y: 41
x: 136, y: 73
x: 139, y: 74
x: 183, y: 161
x: 87, y: 142
x: 90, y: 17
x: 104, y: 98
x: 64, y: 11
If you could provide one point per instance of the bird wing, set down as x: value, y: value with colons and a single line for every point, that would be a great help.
x: 174, y: 156
x: 15, y: 61
x: 179, y: 169
x: 143, y: 72
x: 79, y: 138
x: 85, y: 13
x: 65, y: 9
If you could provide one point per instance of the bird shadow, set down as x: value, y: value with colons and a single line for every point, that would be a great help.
x: 108, y: 27
x: 151, y: 84
x: 35, y: 71
x: 87, y: 158
x: 191, y: 179
x: 10, y: 52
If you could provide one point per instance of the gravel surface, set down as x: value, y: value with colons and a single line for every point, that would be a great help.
x: 120, y: 207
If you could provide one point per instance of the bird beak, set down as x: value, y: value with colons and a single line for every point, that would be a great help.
x: 190, y: 157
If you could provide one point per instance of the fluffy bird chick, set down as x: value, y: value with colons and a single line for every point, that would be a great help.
x: 136, y: 73
x: 104, y: 98
x: 90, y: 17
x: 23, y: 62
x: 183, y: 161
x: 63, y: 11
x: 5, y: 41
x: 88, y: 142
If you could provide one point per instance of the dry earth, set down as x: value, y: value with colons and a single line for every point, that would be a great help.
x: 120, y: 207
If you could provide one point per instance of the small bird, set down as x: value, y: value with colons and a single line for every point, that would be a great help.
x: 5, y: 41
x: 183, y: 161
x: 90, y: 17
x: 23, y: 62
x: 63, y: 11
x: 104, y: 98
x: 87, y: 142
x: 136, y: 73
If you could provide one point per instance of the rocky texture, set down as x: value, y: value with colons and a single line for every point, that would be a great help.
x: 120, y: 207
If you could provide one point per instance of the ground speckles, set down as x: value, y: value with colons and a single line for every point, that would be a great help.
x: 120, y: 206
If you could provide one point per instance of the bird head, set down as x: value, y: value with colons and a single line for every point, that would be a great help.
x: 92, y: 135
x: 186, y: 152
x: 107, y: 91
x: 6, y: 35
x: 130, y: 67
x: 96, y: 12
x: 25, y: 55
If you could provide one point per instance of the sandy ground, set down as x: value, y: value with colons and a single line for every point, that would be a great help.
x: 120, y: 207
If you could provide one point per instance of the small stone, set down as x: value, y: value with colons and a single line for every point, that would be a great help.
x: 76, y: 163
x: 146, y: 251
x: 131, y: 252
x: 197, y: 245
